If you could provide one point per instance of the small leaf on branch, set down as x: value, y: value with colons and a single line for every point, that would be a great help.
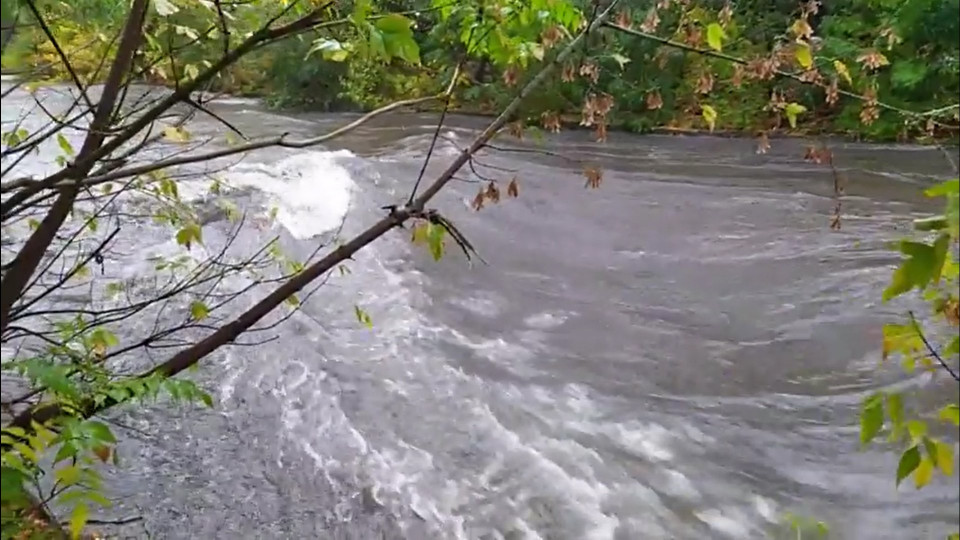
x: 803, y: 55
x: 620, y: 59
x: 78, y: 518
x: 176, y: 134
x: 792, y: 110
x: 65, y: 145
x: 363, y: 317
x: 923, y: 473
x: 871, y: 418
x: 709, y: 116
x: 715, y: 36
x: 909, y: 462
x: 842, y: 71
x: 198, y: 310
x: 951, y: 414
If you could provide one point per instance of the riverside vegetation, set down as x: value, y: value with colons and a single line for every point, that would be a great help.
x: 877, y: 69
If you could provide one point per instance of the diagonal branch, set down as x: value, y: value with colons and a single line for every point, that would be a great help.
x: 933, y: 352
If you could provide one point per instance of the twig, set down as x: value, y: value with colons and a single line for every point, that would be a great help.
x: 933, y: 352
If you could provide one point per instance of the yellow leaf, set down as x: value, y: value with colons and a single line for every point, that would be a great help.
x: 924, y: 473
x: 945, y: 457
x: 803, y: 55
x: 176, y: 134
x: 709, y: 116
x: 715, y: 36
x: 842, y: 71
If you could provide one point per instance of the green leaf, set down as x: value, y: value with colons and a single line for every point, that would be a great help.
x: 950, y: 187
x: 792, y: 110
x: 78, y: 518
x: 198, y: 310
x: 67, y: 450
x: 931, y: 447
x: 803, y: 55
x: 65, y: 144
x: 207, y: 399
x: 709, y: 116
x: 909, y: 462
x: 11, y: 485
x: 398, y: 38
x: 924, y: 473
x: 917, y: 430
x: 330, y: 49
x: 871, y: 418
x: 715, y: 36
x: 68, y: 475
x: 435, y: 235
x: 394, y: 24
x: 933, y: 223
x: 363, y: 317
x: 922, y: 264
x: 99, y: 431
x: 951, y: 414
x: 292, y: 300
x: 620, y: 59
x: 895, y: 413
x: 189, y: 234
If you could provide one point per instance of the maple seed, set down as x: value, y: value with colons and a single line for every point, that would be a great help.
x: 510, y: 76
x: 516, y: 129
x: 477, y: 203
x: 594, y: 177
x: 763, y: 143
x: 512, y: 189
x: 590, y: 71
x: 550, y: 121
x: 623, y: 19
x: 873, y: 60
x: 551, y: 36
x: 600, y: 132
x: 569, y: 73
x: 705, y: 83
x: 654, y: 100
x: 493, y: 193
x: 651, y: 22
x: 833, y: 93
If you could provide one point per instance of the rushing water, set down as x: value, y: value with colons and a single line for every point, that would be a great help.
x: 679, y: 354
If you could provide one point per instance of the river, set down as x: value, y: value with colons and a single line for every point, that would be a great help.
x: 678, y: 354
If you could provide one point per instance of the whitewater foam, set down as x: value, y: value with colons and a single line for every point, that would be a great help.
x: 311, y: 190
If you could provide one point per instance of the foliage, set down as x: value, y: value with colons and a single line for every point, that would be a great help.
x: 370, y: 62
x: 929, y: 266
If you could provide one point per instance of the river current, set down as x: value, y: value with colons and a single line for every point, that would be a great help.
x: 678, y: 354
